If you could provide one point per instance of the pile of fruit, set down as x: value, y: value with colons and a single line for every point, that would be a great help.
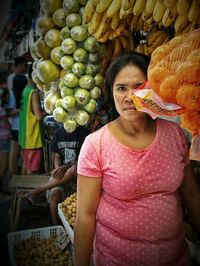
x: 68, y: 207
x: 34, y: 251
x: 67, y: 63
x: 174, y: 74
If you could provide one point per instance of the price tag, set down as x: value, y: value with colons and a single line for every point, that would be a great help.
x: 62, y: 240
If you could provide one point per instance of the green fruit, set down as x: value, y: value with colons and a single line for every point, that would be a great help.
x: 41, y: 49
x: 82, y: 2
x: 90, y: 44
x: 58, y: 103
x: 65, y: 33
x: 56, y: 54
x: 60, y: 114
x: 95, y: 93
x: 70, y: 80
x: 91, y: 70
x: 87, y: 82
x: 68, y: 45
x: 82, y: 96
x: 50, y: 6
x: 94, y: 57
x: 82, y: 117
x: 67, y: 62
x: 69, y: 103
x: 80, y: 55
x: 70, y: 125
x: 65, y: 91
x: 52, y: 38
x: 81, y: 11
x: 47, y: 71
x: 44, y: 23
x: 73, y: 19
x: 70, y: 6
x: 78, y: 69
x: 59, y: 18
x: 79, y: 33
x: 91, y: 106
x: 99, y: 79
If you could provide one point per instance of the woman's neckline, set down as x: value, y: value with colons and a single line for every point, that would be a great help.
x: 138, y: 150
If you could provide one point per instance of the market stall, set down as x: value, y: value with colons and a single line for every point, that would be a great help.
x: 78, y: 39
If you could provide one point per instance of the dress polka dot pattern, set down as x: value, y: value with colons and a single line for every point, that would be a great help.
x: 139, y: 217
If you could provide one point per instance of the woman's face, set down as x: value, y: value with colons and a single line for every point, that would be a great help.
x: 129, y: 77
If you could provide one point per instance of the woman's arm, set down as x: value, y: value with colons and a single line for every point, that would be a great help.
x: 190, y: 192
x: 88, y: 196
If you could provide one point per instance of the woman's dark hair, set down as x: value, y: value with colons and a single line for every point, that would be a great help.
x: 131, y: 58
x: 19, y: 83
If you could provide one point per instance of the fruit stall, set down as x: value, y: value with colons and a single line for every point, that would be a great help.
x: 78, y: 39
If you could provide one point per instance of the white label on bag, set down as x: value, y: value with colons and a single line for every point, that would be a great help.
x: 62, y: 240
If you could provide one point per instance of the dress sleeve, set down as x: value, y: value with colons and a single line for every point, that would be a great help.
x: 88, y: 160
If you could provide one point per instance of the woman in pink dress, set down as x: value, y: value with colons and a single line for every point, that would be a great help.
x: 133, y: 174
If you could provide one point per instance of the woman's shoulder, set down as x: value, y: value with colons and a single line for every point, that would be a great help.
x: 98, y: 134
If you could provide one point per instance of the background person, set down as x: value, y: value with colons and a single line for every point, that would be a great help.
x: 13, y: 106
x: 131, y: 174
x: 30, y: 128
x: 65, y: 148
x: 19, y: 83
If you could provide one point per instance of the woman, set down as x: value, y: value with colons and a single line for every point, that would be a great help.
x: 130, y: 173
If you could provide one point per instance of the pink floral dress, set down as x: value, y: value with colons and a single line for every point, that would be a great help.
x: 139, y: 217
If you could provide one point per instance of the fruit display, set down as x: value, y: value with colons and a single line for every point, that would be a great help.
x: 68, y: 206
x: 78, y: 39
x: 174, y: 74
x: 67, y: 63
x: 35, y: 251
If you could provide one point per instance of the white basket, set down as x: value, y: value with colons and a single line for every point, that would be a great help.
x: 67, y: 226
x: 41, y: 233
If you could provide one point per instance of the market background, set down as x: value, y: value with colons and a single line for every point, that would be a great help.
x: 117, y: 26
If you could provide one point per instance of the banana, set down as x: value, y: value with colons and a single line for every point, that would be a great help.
x: 138, y: 7
x: 115, y: 21
x: 103, y: 5
x: 94, y: 2
x: 150, y: 5
x: 169, y: 3
x: 183, y: 6
x: 117, y: 49
x: 140, y: 23
x: 154, y: 36
x: 88, y: 12
x: 169, y: 15
x: 95, y: 22
x: 181, y: 22
x: 145, y: 14
x: 134, y: 23
x: 124, y: 41
x: 113, y: 8
x: 102, y: 26
x: 127, y: 4
x: 119, y: 30
x: 159, y: 11
x: 150, y: 20
x: 123, y: 13
x: 105, y: 37
x: 140, y: 48
x: 194, y: 11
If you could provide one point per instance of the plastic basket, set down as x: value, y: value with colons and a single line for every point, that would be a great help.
x: 41, y: 233
x: 67, y: 226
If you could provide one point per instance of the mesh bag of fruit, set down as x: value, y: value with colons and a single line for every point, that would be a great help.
x: 174, y: 74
